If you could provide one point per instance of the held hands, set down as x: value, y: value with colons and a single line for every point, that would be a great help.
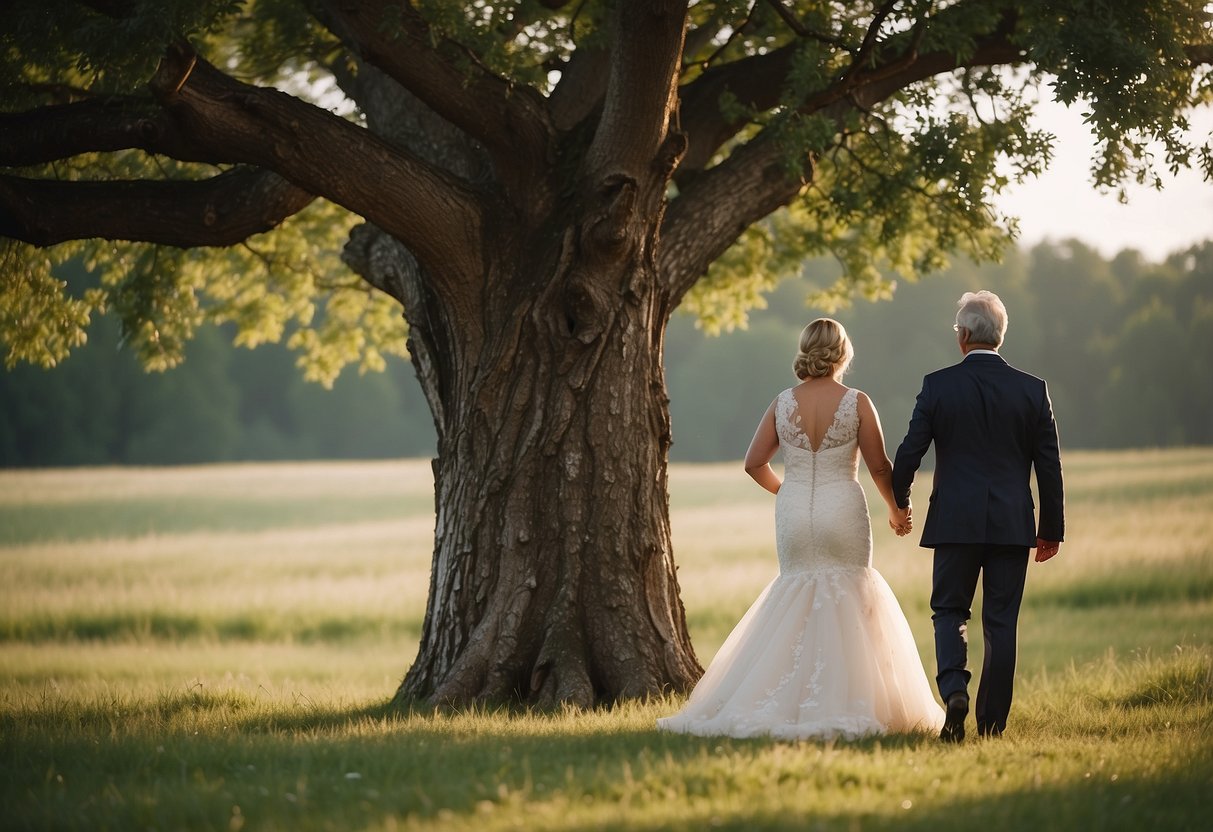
x: 901, y: 521
x: 1046, y: 549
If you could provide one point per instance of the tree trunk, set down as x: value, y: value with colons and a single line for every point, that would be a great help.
x: 553, y: 578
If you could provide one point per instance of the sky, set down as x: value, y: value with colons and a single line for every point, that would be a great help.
x: 1063, y: 203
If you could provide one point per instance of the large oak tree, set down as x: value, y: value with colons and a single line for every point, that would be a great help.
x: 537, y: 185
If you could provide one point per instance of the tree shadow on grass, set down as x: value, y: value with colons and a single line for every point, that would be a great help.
x: 324, y: 766
x: 184, y: 760
x: 1172, y: 799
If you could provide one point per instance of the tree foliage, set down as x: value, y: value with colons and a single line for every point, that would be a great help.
x: 903, y: 166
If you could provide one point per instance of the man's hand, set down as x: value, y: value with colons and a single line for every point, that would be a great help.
x: 1046, y: 549
x: 901, y: 521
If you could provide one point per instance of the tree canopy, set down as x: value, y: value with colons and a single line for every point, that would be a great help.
x: 901, y: 119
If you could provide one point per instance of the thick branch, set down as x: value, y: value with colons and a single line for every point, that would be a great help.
x: 95, y: 125
x: 645, y: 63
x: 718, y: 205
x: 583, y: 82
x: 220, y: 211
x: 699, y: 37
x: 1199, y: 53
x: 754, y: 81
x: 432, y: 212
x: 757, y: 81
x: 883, y: 81
x: 510, y: 120
x: 396, y: 115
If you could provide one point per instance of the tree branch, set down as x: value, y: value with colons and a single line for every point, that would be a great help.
x: 395, y: 114
x: 882, y: 81
x: 1199, y: 53
x: 719, y: 204
x: 645, y: 63
x: 220, y: 211
x: 737, y: 29
x: 868, y: 47
x: 697, y: 38
x: 95, y: 125
x: 511, y: 121
x: 431, y: 211
x: 754, y: 81
x: 757, y: 81
x: 583, y: 82
x: 716, y: 206
x: 804, y: 31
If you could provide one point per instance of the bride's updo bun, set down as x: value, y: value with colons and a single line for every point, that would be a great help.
x: 825, y: 350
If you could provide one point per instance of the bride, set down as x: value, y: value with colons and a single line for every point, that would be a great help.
x: 825, y: 651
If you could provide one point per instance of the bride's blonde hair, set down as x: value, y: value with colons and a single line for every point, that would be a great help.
x: 825, y: 350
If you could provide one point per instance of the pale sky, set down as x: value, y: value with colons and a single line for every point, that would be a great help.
x: 1063, y: 203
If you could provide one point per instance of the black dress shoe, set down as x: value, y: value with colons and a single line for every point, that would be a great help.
x: 954, y: 717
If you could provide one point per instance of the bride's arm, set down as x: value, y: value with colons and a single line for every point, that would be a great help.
x: 762, y: 449
x: 871, y: 445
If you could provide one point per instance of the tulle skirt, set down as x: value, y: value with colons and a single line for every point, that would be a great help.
x: 821, y: 654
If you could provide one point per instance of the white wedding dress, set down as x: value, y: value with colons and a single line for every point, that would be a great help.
x: 825, y: 651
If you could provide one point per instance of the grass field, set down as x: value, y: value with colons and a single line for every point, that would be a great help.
x: 212, y: 648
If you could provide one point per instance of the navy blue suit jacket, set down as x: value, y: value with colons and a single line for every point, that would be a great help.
x: 990, y: 423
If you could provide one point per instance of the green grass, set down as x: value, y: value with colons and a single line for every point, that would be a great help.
x: 101, y: 519
x: 1119, y: 745
x: 52, y: 506
x: 213, y: 647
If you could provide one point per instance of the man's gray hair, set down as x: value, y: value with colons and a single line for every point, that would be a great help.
x: 984, y: 316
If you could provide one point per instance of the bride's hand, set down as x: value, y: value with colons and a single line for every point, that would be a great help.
x: 900, y: 520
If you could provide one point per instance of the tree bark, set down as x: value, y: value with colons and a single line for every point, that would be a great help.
x: 220, y: 211
x: 553, y: 578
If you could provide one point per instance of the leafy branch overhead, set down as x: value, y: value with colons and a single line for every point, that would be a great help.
x: 212, y: 159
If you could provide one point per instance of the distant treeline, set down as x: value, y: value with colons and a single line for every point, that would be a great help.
x: 223, y: 403
x: 1125, y: 344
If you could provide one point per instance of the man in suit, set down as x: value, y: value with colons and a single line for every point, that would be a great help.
x: 991, y: 424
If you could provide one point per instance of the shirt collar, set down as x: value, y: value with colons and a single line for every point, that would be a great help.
x: 981, y: 352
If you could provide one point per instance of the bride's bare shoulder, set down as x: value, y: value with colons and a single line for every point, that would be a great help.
x: 864, y: 401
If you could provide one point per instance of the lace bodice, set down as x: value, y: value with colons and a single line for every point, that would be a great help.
x: 843, y: 429
x: 821, y: 515
x: 842, y: 433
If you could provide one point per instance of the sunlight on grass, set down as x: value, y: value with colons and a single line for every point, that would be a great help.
x: 1090, y: 745
x: 214, y: 647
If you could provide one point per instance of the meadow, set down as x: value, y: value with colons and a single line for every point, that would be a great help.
x: 214, y: 647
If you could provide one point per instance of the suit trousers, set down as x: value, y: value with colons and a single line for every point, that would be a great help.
x: 957, y: 567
